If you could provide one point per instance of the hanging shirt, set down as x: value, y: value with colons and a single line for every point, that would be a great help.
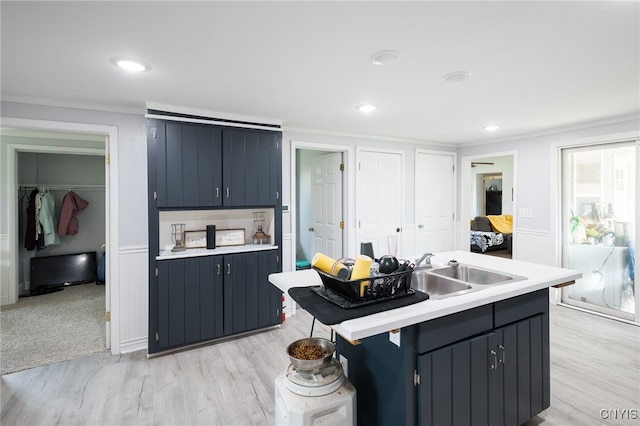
x: 48, y: 219
x: 30, y: 233
x: 37, y: 216
x: 72, y: 203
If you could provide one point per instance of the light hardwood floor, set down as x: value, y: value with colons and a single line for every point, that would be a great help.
x: 595, y: 366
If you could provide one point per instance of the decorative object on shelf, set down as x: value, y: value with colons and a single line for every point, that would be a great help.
x: 230, y: 237
x: 211, y: 237
x: 259, y: 225
x: 177, y: 236
x: 195, y: 239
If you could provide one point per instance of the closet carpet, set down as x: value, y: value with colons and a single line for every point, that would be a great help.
x: 41, y: 330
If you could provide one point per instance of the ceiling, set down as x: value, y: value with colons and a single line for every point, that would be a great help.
x: 535, y: 66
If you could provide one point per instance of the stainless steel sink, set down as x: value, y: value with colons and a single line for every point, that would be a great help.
x: 456, y: 279
x: 437, y: 287
x: 474, y: 275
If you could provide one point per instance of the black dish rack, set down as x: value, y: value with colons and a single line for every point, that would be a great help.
x: 359, y: 292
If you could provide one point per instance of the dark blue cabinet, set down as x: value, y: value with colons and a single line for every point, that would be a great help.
x: 200, y: 165
x: 494, y: 379
x: 208, y: 297
x: 190, y: 301
x: 251, y: 302
x: 251, y: 172
x: 486, y: 366
x: 188, y: 164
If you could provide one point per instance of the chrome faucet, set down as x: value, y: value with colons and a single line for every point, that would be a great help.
x: 425, y: 258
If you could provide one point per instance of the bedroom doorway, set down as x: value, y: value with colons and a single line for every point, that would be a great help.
x: 481, y: 174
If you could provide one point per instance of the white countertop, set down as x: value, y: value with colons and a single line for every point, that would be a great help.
x: 168, y: 254
x: 538, y: 277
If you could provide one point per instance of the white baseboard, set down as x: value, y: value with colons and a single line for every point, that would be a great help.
x: 133, y: 345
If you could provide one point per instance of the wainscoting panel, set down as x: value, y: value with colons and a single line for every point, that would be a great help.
x: 133, y: 300
x: 535, y: 246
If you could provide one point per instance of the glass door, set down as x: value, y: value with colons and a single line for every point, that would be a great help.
x: 599, y: 220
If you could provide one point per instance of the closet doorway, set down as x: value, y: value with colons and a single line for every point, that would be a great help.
x: 28, y: 137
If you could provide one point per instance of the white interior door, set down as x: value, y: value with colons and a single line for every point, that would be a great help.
x: 327, y: 224
x: 379, y: 199
x: 434, y: 202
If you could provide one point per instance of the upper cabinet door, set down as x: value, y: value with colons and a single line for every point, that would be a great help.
x: 202, y: 165
x: 251, y: 172
x: 188, y: 165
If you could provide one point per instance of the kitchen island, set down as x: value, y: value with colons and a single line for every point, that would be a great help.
x: 475, y: 358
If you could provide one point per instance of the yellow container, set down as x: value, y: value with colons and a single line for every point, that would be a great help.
x: 362, y: 269
x: 325, y: 263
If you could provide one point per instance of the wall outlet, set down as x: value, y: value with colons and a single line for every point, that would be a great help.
x: 345, y: 365
x: 394, y: 337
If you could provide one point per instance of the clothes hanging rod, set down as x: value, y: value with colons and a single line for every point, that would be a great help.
x: 59, y: 187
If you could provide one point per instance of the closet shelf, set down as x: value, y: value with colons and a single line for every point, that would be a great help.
x: 58, y: 186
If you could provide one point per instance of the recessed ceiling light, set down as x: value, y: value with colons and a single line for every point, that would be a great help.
x: 456, y: 77
x: 129, y: 64
x: 385, y: 57
x: 491, y: 128
x: 367, y: 108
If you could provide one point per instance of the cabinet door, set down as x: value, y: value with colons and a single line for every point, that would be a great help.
x: 188, y: 165
x: 171, y: 303
x: 526, y: 369
x: 190, y: 300
x: 269, y: 168
x: 454, y: 383
x: 251, y: 174
x: 235, y: 293
x: 269, y: 297
x: 211, y: 297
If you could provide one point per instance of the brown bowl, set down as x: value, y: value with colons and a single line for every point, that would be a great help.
x: 312, y: 364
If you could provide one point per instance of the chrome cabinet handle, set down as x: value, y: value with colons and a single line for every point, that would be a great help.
x: 494, y: 360
x: 502, y: 354
x: 217, y: 192
x: 228, y: 268
x: 218, y: 269
x: 227, y: 192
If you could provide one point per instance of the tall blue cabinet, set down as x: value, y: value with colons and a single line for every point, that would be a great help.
x: 211, y: 166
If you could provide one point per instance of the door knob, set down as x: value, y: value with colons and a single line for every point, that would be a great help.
x: 420, y: 226
x: 398, y: 229
x: 311, y: 229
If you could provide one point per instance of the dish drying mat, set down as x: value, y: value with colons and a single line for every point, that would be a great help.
x: 330, y: 313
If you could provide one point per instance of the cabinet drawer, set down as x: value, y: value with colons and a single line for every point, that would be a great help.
x: 521, y: 307
x: 452, y: 328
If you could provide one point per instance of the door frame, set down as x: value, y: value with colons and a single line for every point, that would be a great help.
x: 556, y: 206
x: 110, y: 134
x: 348, y: 204
x: 465, y: 196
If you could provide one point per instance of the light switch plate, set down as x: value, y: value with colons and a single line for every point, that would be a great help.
x: 525, y: 212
